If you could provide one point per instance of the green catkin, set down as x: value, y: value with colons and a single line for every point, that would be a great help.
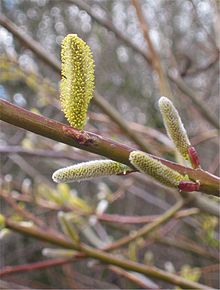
x: 174, y: 126
x: 77, y: 83
x: 89, y: 170
x: 148, y: 165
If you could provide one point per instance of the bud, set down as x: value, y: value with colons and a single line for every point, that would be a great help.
x: 148, y: 165
x: 89, y: 170
x: 194, y: 158
x: 174, y: 126
x: 189, y: 186
x: 77, y: 82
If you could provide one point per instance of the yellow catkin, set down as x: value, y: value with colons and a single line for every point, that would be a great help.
x: 148, y: 165
x: 89, y: 170
x: 174, y: 126
x: 77, y: 83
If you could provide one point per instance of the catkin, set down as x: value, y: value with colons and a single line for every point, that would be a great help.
x: 148, y: 165
x: 174, y: 126
x: 89, y: 170
x: 77, y: 83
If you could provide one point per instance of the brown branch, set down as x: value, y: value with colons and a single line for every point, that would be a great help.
x: 186, y: 246
x: 123, y: 219
x: 27, y: 41
x: 195, y: 99
x: 22, y: 211
x: 93, y: 143
x: 104, y: 257
x: 44, y: 153
x: 156, y: 63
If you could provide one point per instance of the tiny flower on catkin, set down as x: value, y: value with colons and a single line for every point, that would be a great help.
x: 148, y: 165
x: 174, y: 126
x: 77, y: 82
x: 89, y: 170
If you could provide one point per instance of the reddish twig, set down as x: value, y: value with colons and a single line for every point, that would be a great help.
x: 9, y: 270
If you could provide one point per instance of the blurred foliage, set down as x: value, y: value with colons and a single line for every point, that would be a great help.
x: 192, y: 274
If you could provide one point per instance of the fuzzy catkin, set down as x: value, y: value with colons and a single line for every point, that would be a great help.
x: 174, y: 126
x: 89, y: 170
x: 77, y: 83
x: 148, y: 165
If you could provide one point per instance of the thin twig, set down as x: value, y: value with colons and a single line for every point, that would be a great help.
x: 134, y: 278
x: 147, y: 229
x: 9, y: 270
x: 156, y: 63
x: 22, y: 211
x: 184, y: 246
x: 123, y: 219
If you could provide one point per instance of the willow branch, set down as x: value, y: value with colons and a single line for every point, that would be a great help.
x: 94, y: 143
x: 104, y: 257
